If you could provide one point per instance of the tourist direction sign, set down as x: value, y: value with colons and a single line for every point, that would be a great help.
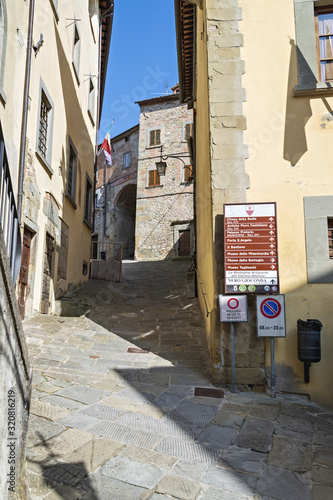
x: 250, y: 248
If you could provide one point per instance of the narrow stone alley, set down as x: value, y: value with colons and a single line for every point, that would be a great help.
x: 118, y: 410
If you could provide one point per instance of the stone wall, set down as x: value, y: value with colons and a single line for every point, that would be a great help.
x: 161, y: 208
x: 118, y: 181
x: 14, y: 387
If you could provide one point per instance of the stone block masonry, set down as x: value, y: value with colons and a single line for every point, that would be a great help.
x: 165, y: 209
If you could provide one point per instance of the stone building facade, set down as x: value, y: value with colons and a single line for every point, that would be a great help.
x: 164, y: 207
x: 115, y: 201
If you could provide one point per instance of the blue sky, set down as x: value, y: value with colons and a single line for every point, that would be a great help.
x: 143, y: 56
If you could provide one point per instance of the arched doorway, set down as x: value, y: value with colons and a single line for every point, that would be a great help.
x: 125, y: 220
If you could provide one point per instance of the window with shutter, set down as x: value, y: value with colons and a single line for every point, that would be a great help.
x: 153, y: 178
x: 155, y: 137
x: 324, y: 36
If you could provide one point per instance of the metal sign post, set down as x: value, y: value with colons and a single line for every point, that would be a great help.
x: 233, y: 309
x: 271, y: 322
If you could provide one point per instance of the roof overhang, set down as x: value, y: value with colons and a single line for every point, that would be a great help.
x: 106, y: 12
x: 185, y: 12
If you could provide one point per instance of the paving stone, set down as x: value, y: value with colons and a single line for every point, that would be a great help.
x: 281, y: 484
x: 47, y: 410
x: 323, y: 475
x: 255, y: 434
x: 190, y: 470
x: 64, y: 473
x: 95, y: 453
x: 238, y: 408
x: 137, y: 407
x: 79, y: 421
x: 63, y: 402
x: 47, y: 387
x: 325, y: 422
x: 82, y: 394
x: 168, y: 400
x: 125, y: 434
x: 64, y: 493
x: 243, y: 460
x: 230, y: 481
x: 107, y: 385
x: 179, y: 487
x: 290, y: 453
x: 324, y: 456
x: 65, y: 443
x: 287, y: 423
x: 215, y: 494
x: 103, y: 412
x: 101, y: 487
x: 320, y: 492
x: 40, y: 430
x: 187, y: 450
x: 38, y: 487
x: 138, y: 474
x: 266, y: 411
x: 324, y: 438
x: 147, y: 457
x: 61, y: 383
x: 193, y: 414
x: 217, y: 437
x: 228, y: 419
x: 160, y: 426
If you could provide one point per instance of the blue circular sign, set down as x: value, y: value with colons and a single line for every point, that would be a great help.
x: 270, y: 308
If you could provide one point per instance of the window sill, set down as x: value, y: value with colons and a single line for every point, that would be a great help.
x: 44, y: 162
x: 157, y: 186
x: 154, y: 147
x: 315, y: 89
x: 68, y: 196
x: 91, y: 118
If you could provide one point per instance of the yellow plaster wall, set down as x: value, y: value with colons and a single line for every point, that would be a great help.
x: 203, y: 185
x: 290, y: 156
x: 53, y: 64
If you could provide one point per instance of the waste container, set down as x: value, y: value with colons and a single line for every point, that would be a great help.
x: 308, y: 343
x: 308, y: 336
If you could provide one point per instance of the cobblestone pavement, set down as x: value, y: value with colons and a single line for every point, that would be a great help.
x: 110, y: 424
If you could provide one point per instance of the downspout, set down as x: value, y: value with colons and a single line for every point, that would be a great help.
x: 25, y: 110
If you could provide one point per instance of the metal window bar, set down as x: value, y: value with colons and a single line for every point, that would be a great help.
x: 8, y: 213
x: 43, y: 126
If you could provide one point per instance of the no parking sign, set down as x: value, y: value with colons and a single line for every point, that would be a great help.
x: 271, y: 320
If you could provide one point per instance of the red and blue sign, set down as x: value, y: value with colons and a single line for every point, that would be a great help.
x: 270, y: 308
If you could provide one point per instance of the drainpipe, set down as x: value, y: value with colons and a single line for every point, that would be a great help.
x: 25, y: 110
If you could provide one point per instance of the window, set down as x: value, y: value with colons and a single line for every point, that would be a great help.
x: 330, y: 236
x: 187, y: 131
x: 44, y: 128
x: 153, y: 178
x: 88, y: 202
x: 187, y: 173
x: 155, y: 137
x: 324, y: 35
x: 76, y: 51
x: 45, y: 109
x: 54, y: 4
x: 126, y: 160
x: 91, y: 100
x: 71, y: 173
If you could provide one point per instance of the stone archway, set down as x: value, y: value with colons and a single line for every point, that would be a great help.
x: 125, y: 208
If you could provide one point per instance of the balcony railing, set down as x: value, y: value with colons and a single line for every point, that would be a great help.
x: 8, y: 213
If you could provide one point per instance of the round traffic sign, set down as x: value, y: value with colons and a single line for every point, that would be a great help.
x: 270, y: 308
x: 233, y: 303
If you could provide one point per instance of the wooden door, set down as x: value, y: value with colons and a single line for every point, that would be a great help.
x: 184, y: 243
x: 45, y: 302
x: 24, y: 271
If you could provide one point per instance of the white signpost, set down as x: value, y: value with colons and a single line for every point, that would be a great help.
x: 233, y: 309
x: 271, y: 322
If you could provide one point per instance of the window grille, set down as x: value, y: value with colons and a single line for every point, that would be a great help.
x: 43, y: 125
x: 126, y: 160
x: 330, y: 236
